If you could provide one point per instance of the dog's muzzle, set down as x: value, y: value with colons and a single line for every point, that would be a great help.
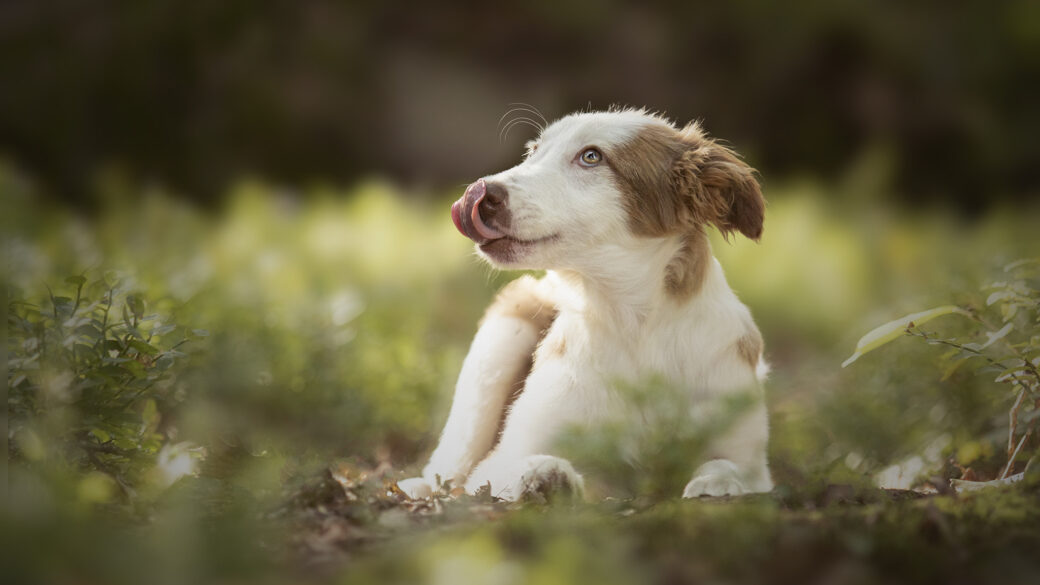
x: 474, y: 211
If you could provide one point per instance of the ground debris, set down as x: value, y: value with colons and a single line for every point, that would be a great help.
x: 349, y: 517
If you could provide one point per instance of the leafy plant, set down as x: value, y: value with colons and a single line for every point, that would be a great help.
x: 92, y: 380
x: 656, y: 458
x: 1004, y: 344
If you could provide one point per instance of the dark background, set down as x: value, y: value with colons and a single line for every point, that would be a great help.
x: 193, y: 95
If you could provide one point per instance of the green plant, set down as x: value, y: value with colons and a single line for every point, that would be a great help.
x: 1004, y: 343
x: 658, y: 457
x: 92, y: 380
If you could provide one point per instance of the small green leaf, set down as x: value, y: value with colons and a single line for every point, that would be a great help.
x: 200, y: 332
x: 76, y: 280
x: 150, y: 415
x: 136, y: 305
x: 991, y: 338
x: 893, y: 329
x: 135, y: 368
x: 89, y: 331
x: 1012, y: 372
x: 111, y: 371
x: 1000, y: 295
x: 1020, y: 263
x: 143, y: 347
x: 163, y: 329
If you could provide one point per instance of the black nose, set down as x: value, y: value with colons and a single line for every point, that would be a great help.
x: 493, y: 206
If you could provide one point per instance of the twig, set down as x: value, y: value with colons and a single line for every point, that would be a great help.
x: 923, y: 335
x: 1013, y: 420
x: 1028, y: 365
x: 1011, y: 460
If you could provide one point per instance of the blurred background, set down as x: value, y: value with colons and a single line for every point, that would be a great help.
x: 265, y: 186
x: 193, y: 97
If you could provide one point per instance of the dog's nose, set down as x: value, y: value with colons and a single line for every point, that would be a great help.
x: 473, y: 212
x: 494, y: 201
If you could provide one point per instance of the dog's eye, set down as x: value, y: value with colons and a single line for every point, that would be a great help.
x: 591, y: 157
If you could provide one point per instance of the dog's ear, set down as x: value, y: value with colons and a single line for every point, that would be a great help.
x: 717, y: 187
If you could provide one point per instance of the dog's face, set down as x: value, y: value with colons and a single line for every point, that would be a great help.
x: 607, y: 179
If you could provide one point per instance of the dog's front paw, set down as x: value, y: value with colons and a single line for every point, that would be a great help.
x: 416, y: 488
x: 548, y: 478
x: 538, y: 478
x: 715, y: 478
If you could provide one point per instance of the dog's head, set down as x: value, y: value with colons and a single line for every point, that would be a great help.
x: 607, y: 178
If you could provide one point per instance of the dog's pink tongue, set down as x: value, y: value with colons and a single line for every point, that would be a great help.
x: 456, y: 215
x: 465, y: 214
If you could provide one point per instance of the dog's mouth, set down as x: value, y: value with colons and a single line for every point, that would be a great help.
x: 493, y: 240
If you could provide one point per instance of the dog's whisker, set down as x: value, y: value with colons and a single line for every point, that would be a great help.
x: 516, y: 122
x: 504, y: 133
x: 522, y: 107
x: 507, y: 114
x: 533, y: 110
x: 528, y: 121
x: 541, y: 125
x: 504, y: 121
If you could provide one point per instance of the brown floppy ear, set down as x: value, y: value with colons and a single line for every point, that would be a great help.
x: 719, y: 188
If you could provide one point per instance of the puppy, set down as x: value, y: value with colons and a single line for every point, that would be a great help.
x: 615, y: 206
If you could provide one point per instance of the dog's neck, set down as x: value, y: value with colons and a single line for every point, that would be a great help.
x: 626, y: 286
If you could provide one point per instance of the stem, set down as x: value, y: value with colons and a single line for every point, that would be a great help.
x: 1011, y: 460
x: 985, y: 323
x: 79, y: 292
x: 1013, y: 420
x: 54, y: 306
x: 136, y: 395
x: 104, y: 321
x: 1001, y: 365
x: 75, y: 308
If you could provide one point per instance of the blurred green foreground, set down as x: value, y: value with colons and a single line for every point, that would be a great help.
x: 238, y: 356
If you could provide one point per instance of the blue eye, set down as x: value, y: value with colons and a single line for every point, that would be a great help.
x: 591, y: 157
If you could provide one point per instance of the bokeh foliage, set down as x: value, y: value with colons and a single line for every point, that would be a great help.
x: 337, y: 322
x: 310, y: 89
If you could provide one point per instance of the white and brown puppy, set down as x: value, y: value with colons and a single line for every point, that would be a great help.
x: 615, y: 205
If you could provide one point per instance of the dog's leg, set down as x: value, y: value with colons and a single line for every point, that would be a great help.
x: 740, y: 463
x: 495, y: 367
x: 498, y: 361
x: 518, y: 467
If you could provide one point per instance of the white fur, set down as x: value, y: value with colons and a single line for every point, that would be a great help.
x: 617, y: 322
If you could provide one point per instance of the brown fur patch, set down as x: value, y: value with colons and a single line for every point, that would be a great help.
x: 522, y: 298
x: 685, y: 273
x: 675, y: 181
x: 749, y: 347
x: 643, y: 169
x: 721, y: 188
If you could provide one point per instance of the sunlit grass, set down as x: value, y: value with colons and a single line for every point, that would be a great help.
x: 338, y: 320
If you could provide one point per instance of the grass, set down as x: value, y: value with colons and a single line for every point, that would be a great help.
x: 837, y: 533
x: 338, y: 321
